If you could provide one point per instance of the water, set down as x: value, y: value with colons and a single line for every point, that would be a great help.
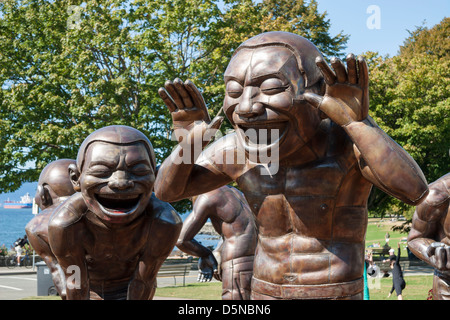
x: 12, y: 225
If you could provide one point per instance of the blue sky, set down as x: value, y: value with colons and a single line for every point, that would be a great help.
x: 395, y: 17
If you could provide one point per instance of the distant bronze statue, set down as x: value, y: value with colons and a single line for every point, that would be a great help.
x: 232, y: 262
x: 429, y: 238
x: 112, y: 236
x: 54, y: 186
x: 307, y: 181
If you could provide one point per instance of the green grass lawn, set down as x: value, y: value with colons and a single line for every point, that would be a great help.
x: 376, y: 231
x: 417, y: 288
x: 197, y: 291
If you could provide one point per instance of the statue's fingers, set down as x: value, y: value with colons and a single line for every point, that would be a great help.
x: 184, y: 95
x: 339, y: 69
x: 440, y: 258
x: 328, y: 74
x: 167, y: 99
x: 216, y: 122
x: 196, y: 97
x: 363, y: 74
x: 352, y: 73
x: 314, y: 99
x: 447, y: 252
x: 172, y: 90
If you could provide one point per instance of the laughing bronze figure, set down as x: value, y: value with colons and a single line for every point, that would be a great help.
x: 112, y: 236
x: 429, y: 238
x: 232, y: 261
x: 308, y: 182
x: 54, y: 187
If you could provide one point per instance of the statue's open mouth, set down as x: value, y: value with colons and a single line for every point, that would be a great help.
x: 261, y: 136
x: 118, y: 204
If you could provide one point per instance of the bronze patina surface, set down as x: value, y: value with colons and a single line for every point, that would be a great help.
x: 429, y: 238
x: 54, y: 187
x: 232, y: 261
x: 111, y: 237
x: 308, y: 184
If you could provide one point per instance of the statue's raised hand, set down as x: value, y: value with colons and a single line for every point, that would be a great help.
x: 187, y: 106
x: 346, y: 97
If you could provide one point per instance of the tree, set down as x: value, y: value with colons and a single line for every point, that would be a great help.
x: 67, y: 69
x: 410, y: 101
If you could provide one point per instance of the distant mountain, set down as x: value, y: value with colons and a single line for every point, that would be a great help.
x: 29, y: 187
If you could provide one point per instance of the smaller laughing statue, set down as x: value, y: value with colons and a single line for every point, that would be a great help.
x: 54, y: 187
x: 429, y: 238
x: 113, y: 235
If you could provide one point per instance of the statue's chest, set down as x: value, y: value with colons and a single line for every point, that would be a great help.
x: 295, y: 199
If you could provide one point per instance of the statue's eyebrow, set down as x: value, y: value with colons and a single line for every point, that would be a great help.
x: 228, y: 78
x: 102, y: 162
x: 260, y: 78
x: 139, y: 161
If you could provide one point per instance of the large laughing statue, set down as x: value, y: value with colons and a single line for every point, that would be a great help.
x: 307, y: 182
x: 112, y: 236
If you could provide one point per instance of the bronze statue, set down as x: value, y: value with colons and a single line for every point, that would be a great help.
x: 307, y: 186
x: 54, y: 187
x: 429, y: 238
x: 232, y: 262
x: 112, y: 236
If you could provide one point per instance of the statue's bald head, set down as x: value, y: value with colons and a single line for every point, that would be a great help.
x: 54, y: 182
x: 303, y: 49
x: 119, y: 135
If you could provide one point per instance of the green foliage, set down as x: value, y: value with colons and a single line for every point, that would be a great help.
x: 410, y: 101
x: 68, y: 69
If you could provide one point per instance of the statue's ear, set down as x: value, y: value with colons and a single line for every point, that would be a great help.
x: 44, y: 196
x: 74, y: 175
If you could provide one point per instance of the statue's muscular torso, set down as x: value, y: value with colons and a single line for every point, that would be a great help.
x: 233, y: 219
x: 436, y: 208
x: 112, y: 255
x: 311, y: 216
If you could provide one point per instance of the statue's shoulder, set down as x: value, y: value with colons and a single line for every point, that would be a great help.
x: 69, y: 213
x: 163, y: 211
x: 439, y: 191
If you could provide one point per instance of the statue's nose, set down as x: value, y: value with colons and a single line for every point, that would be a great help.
x: 247, y: 107
x: 119, y: 180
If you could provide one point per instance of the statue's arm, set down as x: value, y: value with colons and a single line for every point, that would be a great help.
x: 192, y: 226
x: 162, y: 238
x: 426, y: 234
x: 65, y: 232
x: 382, y: 161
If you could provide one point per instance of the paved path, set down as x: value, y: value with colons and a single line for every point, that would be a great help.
x: 19, y: 283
